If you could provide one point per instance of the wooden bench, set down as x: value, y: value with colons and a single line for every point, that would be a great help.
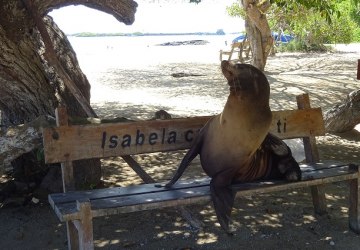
x: 67, y: 143
x: 240, y: 51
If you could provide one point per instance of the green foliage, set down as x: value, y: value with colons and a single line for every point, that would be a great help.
x: 312, y: 22
x: 356, y: 35
x: 297, y: 45
x: 236, y: 10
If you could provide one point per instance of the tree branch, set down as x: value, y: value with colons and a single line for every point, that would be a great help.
x: 345, y: 116
x: 122, y: 10
x: 52, y: 58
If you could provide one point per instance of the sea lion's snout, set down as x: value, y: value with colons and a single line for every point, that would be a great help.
x: 245, y: 80
x: 239, y: 70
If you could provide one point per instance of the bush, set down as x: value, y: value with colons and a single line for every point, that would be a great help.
x: 298, y: 45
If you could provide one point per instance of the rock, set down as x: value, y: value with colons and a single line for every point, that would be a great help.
x: 190, y: 42
x: 35, y: 200
x: 182, y: 74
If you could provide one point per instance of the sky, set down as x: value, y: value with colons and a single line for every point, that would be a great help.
x: 152, y: 17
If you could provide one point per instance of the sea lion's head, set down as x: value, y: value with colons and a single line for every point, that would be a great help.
x: 246, y: 80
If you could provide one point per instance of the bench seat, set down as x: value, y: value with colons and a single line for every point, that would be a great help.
x: 110, y: 201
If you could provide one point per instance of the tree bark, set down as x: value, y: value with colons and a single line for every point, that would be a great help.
x: 258, y: 31
x: 21, y: 139
x: 39, y: 69
x: 344, y: 117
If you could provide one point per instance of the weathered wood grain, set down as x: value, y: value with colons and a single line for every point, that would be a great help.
x: 105, y: 140
x: 312, y: 155
x: 148, y: 196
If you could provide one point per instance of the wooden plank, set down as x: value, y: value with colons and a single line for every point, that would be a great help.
x: 82, y: 142
x: 289, y: 124
x: 123, y: 191
x: 143, y: 197
x: 169, y: 198
x: 309, y: 171
x: 105, y: 140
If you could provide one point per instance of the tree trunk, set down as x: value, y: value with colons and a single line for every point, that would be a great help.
x: 39, y: 69
x: 258, y: 31
x: 344, y: 117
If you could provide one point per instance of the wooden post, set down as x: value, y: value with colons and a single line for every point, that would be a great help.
x: 358, y: 70
x: 231, y: 52
x: 67, y: 174
x: 138, y: 169
x: 312, y: 156
x: 354, y: 207
x: 66, y: 167
x: 72, y: 235
x: 84, y: 225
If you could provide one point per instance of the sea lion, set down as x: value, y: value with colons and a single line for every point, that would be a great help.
x: 235, y: 146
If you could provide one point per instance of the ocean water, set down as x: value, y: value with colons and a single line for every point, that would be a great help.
x: 137, y: 51
x: 132, y: 76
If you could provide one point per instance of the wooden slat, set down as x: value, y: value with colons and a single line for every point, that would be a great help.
x: 317, y: 170
x: 312, y: 155
x: 180, y: 198
x: 289, y: 124
x: 123, y: 191
x: 91, y: 141
x: 147, y: 196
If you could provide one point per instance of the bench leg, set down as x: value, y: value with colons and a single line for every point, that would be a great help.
x: 318, y: 197
x: 80, y: 232
x: 85, y: 225
x: 72, y: 235
x: 354, y: 207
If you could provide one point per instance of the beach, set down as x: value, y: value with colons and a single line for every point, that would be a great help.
x: 135, y: 82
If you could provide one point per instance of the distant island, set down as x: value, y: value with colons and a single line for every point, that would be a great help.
x: 91, y: 34
x: 178, y: 43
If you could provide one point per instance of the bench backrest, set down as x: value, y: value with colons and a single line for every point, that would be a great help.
x: 69, y: 143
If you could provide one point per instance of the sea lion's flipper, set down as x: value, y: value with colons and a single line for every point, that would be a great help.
x: 223, y: 197
x: 276, y: 145
x: 282, y: 160
x: 189, y: 156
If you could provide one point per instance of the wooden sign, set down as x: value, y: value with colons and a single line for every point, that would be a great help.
x: 68, y: 143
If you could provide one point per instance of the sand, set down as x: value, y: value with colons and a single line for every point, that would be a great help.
x: 283, y: 220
